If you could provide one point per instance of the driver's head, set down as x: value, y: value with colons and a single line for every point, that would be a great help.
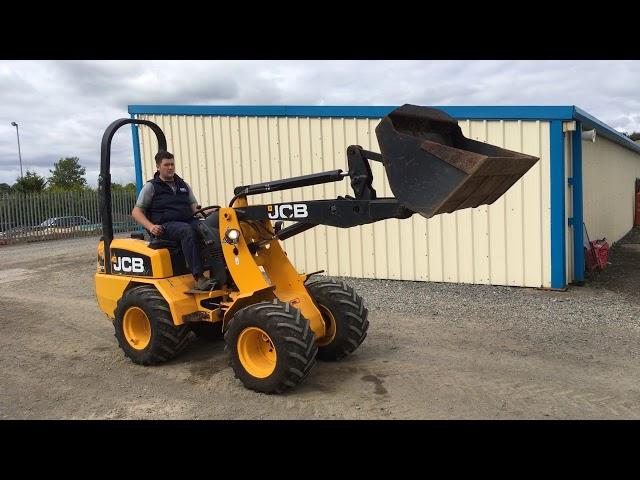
x: 165, y: 165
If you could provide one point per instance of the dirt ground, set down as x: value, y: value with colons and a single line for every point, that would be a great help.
x: 60, y: 359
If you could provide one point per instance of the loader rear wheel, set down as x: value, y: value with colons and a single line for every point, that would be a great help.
x: 271, y: 345
x: 144, y: 327
x: 345, y: 318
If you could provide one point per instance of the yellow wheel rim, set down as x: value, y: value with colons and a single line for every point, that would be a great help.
x: 256, y: 352
x: 329, y: 325
x: 137, y: 328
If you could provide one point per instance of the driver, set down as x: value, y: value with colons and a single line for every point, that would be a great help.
x: 165, y: 207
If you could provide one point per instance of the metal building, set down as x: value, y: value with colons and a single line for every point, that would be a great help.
x: 532, y: 236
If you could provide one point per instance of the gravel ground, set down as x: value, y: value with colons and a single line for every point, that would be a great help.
x: 434, y: 351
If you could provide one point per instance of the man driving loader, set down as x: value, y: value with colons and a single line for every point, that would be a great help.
x: 165, y: 207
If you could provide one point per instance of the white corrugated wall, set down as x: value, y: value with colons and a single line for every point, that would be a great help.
x: 609, y: 173
x: 506, y: 243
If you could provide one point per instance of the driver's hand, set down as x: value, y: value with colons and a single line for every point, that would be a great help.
x: 157, y: 230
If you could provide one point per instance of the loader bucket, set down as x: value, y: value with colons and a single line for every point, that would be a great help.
x: 432, y: 168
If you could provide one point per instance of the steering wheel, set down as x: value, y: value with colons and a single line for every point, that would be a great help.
x: 202, y: 213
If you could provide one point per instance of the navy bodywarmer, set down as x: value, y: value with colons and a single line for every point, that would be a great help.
x: 167, y: 206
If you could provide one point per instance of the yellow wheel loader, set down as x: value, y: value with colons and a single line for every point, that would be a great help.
x: 275, y: 321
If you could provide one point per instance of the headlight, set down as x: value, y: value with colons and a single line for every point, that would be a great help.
x: 232, y: 235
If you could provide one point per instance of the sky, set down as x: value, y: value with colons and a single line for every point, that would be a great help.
x: 63, y: 107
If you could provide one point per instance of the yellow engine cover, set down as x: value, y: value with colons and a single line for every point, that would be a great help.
x: 134, y: 263
x: 131, y: 257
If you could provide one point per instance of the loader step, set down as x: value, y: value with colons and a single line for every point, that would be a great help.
x: 214, y: 293
x: 197, y: 317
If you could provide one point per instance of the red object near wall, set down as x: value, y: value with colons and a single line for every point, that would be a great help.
x: 637, y: 219
x: 598, y: 256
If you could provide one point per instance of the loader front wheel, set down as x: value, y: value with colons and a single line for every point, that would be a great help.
x: 271, y: 345
x: 144, y: 327
x: 345, y: 318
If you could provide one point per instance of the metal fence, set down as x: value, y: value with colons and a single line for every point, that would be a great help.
x: 55, y: 215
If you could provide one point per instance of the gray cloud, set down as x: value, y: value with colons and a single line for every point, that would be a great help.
x: 63, y: 107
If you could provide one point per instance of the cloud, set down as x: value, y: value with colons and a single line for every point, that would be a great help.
x: 63, y: 107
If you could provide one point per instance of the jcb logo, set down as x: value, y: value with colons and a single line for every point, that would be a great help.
x: 287, y: 210
x: 128, y: 264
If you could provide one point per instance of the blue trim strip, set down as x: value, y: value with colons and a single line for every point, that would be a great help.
x: 262, y: 110
x: 604, y: 130
x: 510, y: 112
x: 558, y: 224
x: 474, y: 112
x: 136, y: 155
x: 578, y: 216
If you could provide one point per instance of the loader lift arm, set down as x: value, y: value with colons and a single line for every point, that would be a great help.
x: 343, y: 212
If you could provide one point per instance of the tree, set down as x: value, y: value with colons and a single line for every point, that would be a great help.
x: 635, y: 136
x: 5, y: 188
x: 129, y: 187
x: 29, y: 183
x: 67, y: 175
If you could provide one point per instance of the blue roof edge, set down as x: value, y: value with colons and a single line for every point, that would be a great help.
x: 379, y: 111
x: 604, y: 129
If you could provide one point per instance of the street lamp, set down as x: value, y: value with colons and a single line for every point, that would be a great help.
x: 19, y: 154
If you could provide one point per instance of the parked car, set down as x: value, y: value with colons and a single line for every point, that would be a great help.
x: 68, y: 224
x: 50, y: 228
